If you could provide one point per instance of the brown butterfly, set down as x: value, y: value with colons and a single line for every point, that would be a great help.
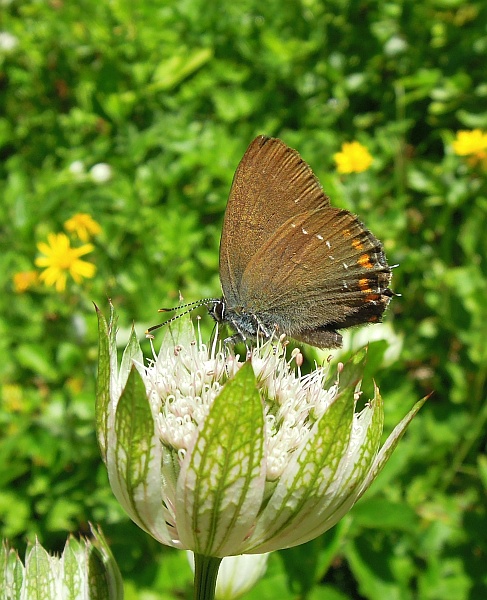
x: 291, y: 263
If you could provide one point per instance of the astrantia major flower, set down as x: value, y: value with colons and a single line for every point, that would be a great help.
x: 60, y: 259
x: 222, y: 457
x: 353, y: 158
x: 85, y: 569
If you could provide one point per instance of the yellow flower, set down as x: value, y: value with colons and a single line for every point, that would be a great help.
x: 83, y: 226
x: 354, y: 158
x: 23, y: 280
x: 470, y: 142
x: 59, y: 258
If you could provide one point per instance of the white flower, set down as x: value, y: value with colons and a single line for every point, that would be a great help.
x: 101, y: 172
x: 225, y: 458
x: 77, y: 167
x: 86, y: 569
x: 8, y: 41
x: 395, y: 45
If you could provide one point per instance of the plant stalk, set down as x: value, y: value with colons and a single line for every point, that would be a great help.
x: 205, y: 574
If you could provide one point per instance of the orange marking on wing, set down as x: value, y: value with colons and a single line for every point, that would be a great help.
x: 357, y: 245
x: 364, y: 261
x: 372, y: 297
x: 364, y: 285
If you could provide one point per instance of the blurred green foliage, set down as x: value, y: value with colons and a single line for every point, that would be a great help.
x: 169, y: 94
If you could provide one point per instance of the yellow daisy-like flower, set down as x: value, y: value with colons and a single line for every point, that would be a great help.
x: 470, y: 142
x: 83, y: 226
x: 23, y: 280
x: 59, y: 259
x: 354, y: 158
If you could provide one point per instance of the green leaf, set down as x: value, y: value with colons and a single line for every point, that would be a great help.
x: 391, y: 443
x: 482, y: 464
x: 273, y: 585
x: 373, y: 570
x: 172, y: 71
x: 33, y: 357
x: 380, y: 513
x: 301, y: 563
x: 472, y: 120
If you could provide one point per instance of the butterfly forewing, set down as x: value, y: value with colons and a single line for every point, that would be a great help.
x: 272, y: 183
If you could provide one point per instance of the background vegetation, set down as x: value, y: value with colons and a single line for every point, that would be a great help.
x: 166, y: 96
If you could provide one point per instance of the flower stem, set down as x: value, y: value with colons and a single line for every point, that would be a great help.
x: 205, y: 574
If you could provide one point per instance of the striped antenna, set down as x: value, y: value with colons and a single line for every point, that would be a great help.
x: 190, y: 306
x: 194, y: 304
